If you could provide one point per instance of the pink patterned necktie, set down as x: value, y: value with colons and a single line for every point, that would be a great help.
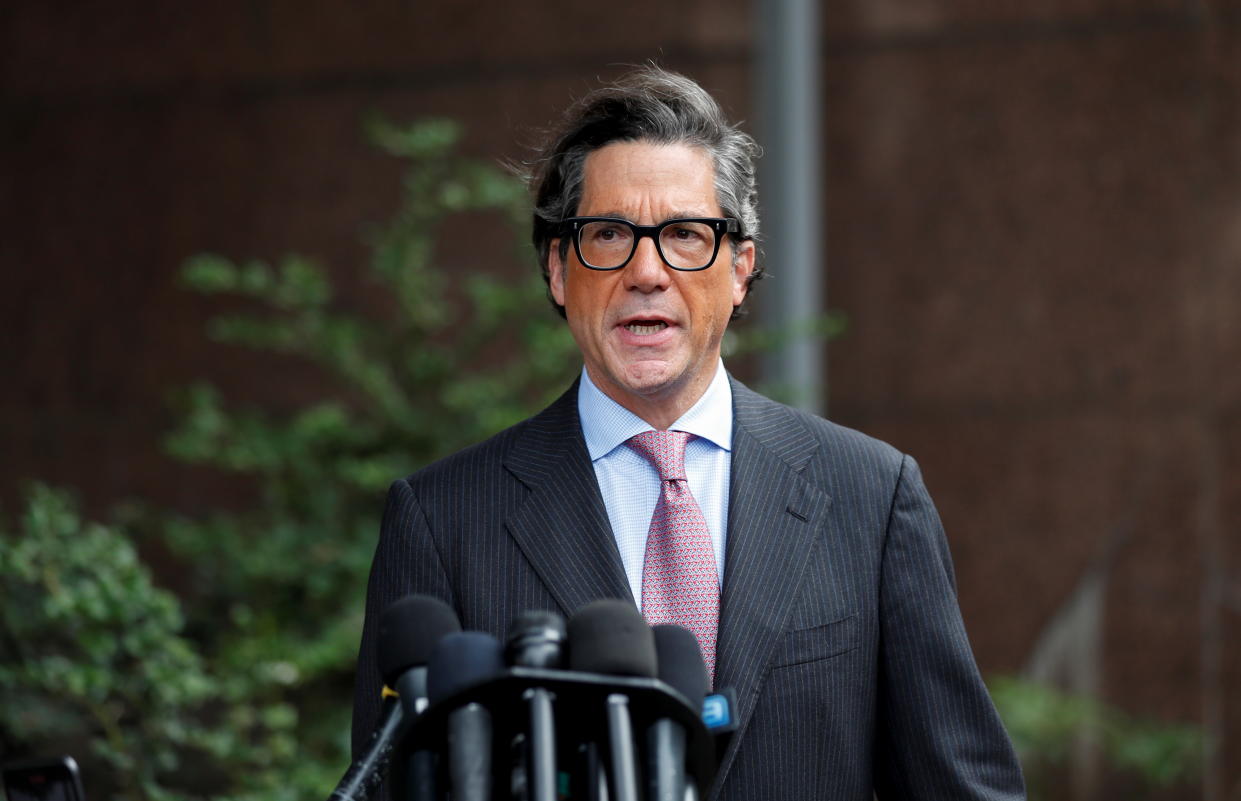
x: 679, y: 581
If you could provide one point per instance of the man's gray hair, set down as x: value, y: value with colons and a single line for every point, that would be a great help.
x: 648, y: 104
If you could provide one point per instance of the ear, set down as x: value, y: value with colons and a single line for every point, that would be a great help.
x: 555, y: 271
x: 743, y: 265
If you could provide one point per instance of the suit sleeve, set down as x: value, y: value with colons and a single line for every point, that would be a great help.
x: 938, y: 734
x: 406, y: 561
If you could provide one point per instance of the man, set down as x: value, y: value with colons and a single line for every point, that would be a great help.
x: 807, y: 558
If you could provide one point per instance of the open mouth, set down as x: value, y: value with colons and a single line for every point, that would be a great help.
x: 646, y: 327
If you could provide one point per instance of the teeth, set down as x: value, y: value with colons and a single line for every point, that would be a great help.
x: 643, y: 329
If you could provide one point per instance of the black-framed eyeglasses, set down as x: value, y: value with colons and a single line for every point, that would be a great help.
x: 608, y: 243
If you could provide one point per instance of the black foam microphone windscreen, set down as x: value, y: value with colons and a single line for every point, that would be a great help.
x: 609, y: 636
x: 460, y: 661
x: 409, y: 630
x: 680, y: 663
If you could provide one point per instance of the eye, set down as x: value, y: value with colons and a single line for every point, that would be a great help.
x: 606, y: 232
x: 683, y: 233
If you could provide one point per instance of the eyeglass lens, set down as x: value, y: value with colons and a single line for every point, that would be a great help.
x: 685, y: 245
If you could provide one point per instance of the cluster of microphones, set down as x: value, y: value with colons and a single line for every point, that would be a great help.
x: 605, y: 708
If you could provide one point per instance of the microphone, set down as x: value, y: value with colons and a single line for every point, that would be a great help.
x: 681, y: 667
x: 536, y: 641
x: 408, y: 630
x: 459, y: 661
x: 609, y: 636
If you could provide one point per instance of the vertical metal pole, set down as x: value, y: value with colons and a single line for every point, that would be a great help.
x: 620, y: 741
x: 789, y: 114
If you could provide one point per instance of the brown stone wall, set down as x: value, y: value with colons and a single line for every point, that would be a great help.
x: 1033, y: 223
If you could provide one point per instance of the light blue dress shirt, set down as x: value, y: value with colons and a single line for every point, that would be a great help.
x: 630, y: 483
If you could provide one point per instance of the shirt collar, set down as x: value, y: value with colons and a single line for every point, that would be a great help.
x: 606, y: 424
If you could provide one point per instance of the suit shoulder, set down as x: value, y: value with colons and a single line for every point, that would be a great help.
x: 795, y: 431
x: 842, y: 437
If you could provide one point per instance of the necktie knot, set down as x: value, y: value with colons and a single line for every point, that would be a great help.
x: 665, y: 450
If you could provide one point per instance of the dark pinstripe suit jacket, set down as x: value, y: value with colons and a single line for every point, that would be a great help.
x: 839, y: 625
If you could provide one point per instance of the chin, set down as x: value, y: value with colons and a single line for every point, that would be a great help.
x: 650, y: 379
x: 648, y: 370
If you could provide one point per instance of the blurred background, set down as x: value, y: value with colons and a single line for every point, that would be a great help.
x: 259, y: 260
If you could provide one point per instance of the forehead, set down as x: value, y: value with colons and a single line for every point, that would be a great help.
x: 640, y: 180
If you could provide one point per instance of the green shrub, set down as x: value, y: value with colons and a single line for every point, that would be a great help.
x: 94, y: 655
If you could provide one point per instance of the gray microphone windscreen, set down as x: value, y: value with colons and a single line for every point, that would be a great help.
x: 462, y: 660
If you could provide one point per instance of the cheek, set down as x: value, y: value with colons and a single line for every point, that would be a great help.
x: 586, y: 302
x: 574, y: 302
x: 722, y: 298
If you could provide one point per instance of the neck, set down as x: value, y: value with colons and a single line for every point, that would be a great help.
x: 659, y: 409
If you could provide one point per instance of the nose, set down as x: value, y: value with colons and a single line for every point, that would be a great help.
x: 646, y: 271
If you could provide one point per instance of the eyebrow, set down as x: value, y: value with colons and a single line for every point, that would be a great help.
x: 675, y: 215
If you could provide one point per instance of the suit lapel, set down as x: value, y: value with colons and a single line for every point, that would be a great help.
x: 563, y: 527
x: 774, y: 515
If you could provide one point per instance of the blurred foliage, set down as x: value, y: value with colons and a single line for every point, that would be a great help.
x: 240, y: 686
x: 94, y: 654
x: 1047, y: 725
